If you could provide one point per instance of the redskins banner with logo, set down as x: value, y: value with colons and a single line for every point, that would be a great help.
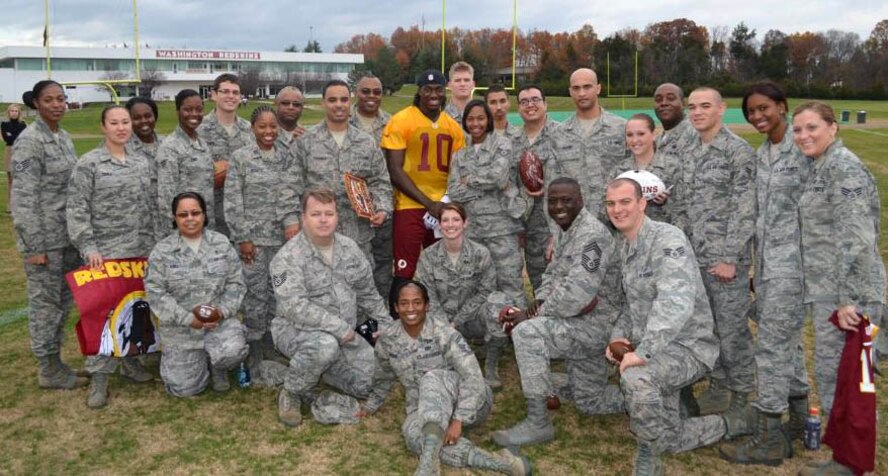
x: 114, y: 317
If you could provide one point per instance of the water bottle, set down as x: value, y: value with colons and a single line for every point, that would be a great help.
x: 243, y: 377
x: 812, y: 430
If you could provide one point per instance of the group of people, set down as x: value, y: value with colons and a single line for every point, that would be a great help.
x: 370, y: 247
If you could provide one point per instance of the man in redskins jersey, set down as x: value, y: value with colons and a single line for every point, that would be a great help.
x: 418, y: 143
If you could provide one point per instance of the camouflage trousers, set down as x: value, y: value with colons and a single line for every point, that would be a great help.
x: 438, y: 397
x: 731, y: 303
x: 779, y: 357
x: 184, y: 367
x: 506, y: 256
x: 259, y: 302
x: 581, y: 341
x: 315, y: 355
x: 829, y: 342
x: 382, y: 258
x: 537, y: 238
x: 218, y: 218
x: 106, y: 364
x: 652, y: 401
x: 49, y: 300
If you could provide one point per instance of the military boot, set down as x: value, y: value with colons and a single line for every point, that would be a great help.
x: 289, y: 408
x: 430, y: 459
x: 767, y: 445
x: 826, y: 468
x: 688, y: 407
x: 798, y: 412
x: 57, y: 361
x: 219, y: 377
x: 715, y: 399
x: 494, y: 351
x: 534, y: 429
x: 504, y: 462
x: 647, y: 460
x: 135, y: 371
x: 51, y: 375
x: 739, y: 422
x: 98, y: 391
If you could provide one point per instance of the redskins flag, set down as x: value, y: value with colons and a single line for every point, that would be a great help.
x: 114, y: 316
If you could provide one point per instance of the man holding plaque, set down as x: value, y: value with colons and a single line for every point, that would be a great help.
x: 341, y: 157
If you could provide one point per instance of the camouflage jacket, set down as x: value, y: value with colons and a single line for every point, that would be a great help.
x: 256, y: 204
x: 605, y: 145
x: 314, y: 296
x: 839, y: 209
x: 179, y: 279
x: 438, y: 347
x: 323, y: 164
x: 456, y: 292
x: 111, y: 205
x: 721, y: 199
x: 379, y: 123
x: 678, y: 141
x: 184, y: 165
x: 666, y: 301
x: 41, y: 167
x: 222, y: 145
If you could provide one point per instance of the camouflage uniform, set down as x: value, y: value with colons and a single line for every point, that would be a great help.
x: 458, y: 293
x: 606, y: 150
x: 381, y: 244
x: 679, y: 141
x: 42, y: 162
x: 453, y: 112
x: 511, y: 130
x: 442, y: 382
x: 323, y: 164
x: 780, y: 360
x: 721, y: 223
x: 669, y: 322
x: 162, y: 227
x: 667, y: 168
x: 184, y: 165
x: 256, y: 213
x: 583, y: 268
x: 839, y: 211
x: 484, y: 180
x: 536, y: 220
x: 179, y: 279
x: 222, y: 146
x: 317, y: 307
x: 110, y: 211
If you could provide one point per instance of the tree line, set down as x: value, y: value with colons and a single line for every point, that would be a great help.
x: 831, y: 64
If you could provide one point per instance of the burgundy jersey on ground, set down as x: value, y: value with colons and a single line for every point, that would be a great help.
x: 851, y: 431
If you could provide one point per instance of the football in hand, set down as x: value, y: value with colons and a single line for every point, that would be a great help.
x: 206, y: 313
x: 619, y: 349
x: 531, y: 171
x: 220, y: 171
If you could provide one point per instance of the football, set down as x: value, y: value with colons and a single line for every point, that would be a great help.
x: 651, y: 185
x: 619, y: 349
x: 553, y: 402
x: 220, y: 171
x: 206, y: 313
x: 531, y: 171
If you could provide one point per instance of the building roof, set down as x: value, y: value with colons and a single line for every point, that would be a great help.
x: 172, y: 54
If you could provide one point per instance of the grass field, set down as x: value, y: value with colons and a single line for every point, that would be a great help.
x: 144, y: 431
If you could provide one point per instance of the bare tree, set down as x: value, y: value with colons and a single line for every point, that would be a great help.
x: 151, y: 79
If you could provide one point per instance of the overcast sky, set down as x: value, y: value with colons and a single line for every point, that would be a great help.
x: 239, y: 25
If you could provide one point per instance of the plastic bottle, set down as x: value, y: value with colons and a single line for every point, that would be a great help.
x: 812, y: 430
x: 243, y: 376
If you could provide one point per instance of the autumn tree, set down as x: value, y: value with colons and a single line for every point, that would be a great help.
x: 678, y: 51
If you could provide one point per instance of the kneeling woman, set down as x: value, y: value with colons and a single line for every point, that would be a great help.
x: 461, y: 276
x: 195, y: 286
x: 443, y: 386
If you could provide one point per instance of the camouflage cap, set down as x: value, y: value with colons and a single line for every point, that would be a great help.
x: 331, y: 408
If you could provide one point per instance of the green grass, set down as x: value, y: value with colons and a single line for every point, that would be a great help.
x: 145, y: 431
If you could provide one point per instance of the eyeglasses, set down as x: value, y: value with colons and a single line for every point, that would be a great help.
x: 528, y: 101
x: 193, y: 213
x: 232, y: 92
x: 290, y: 103
x: 375, y: 92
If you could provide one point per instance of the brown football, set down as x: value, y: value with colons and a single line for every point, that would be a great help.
x: 619, y: 349
x: 206, y: 313
x: 553, y: 402
x: 220, y: 171
x: 531, y: 171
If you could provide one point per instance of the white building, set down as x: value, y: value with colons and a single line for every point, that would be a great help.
x: 262, y: 73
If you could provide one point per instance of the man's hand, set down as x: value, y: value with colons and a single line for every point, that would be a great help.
x: 723, y: 272
x: 291, y: 231
x: 454, y: 431
x: 607, y: 350
x: 631, y: 359
x: 434, y: 209
x: 662, y: 197
x: 348, y: 337
x: 550, y: 249
x: 95, y: 260
x: 298, y: 131
x: 247, y: 252
x: 534, y: 308
x: 848, y: 318
x: 377, y: 220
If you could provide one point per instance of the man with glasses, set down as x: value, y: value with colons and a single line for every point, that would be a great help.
x: 418, y: 143
x: 367, y: 115
x: 224, y: 133
x: 289, y: 104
